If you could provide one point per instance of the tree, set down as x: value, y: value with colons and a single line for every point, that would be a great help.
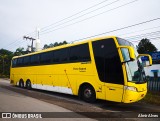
x: 19, y: 51
x: 3, y: 57
x: 54, y: 45
x: 145, y: 46
x: 5, y: 61
x: 45, y: 46
x: 5, y: 52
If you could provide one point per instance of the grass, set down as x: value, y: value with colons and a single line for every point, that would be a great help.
x: 152, y: 98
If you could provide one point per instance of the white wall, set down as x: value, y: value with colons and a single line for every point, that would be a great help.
x: 153, y: 67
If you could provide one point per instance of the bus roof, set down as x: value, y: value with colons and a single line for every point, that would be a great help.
x: 66, y: 45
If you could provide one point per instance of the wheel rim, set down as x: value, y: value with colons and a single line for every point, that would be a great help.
x: 21, y: 84
x: 28, y: 84
x: 87, y: 93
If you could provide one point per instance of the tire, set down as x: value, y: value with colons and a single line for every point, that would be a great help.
x: 28, y: 85
x: 88, y: 94
x: 21, y: 84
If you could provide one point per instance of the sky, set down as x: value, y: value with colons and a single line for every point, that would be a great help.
x: 71, y: 20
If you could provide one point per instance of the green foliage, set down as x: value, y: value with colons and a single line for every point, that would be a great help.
x: 21, y: 51
x: 5, y: 60
x: 152, y: 98
x: 5, y: 52
x: 145, y: 46
x: 54, y: 45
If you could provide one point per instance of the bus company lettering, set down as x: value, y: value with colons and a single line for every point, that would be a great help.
x: 80, y: 69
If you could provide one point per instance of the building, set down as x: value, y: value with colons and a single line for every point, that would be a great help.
x: 153, y: 72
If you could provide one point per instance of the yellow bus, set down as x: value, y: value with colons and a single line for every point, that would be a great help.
x: 107, y: 68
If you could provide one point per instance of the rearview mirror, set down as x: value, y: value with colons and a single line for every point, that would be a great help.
x: 149, y: 58
x: 127, y: 53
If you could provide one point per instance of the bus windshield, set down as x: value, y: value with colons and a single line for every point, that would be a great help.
x: 135, y: 69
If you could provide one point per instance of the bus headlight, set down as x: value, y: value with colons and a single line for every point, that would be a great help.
x: 130, y: 88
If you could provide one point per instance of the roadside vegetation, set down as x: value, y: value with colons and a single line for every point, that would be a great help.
x: 152, y: 98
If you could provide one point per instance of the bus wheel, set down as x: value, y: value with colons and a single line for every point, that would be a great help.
x: 28, y: 84
x: 21, y: 83
x: 88, y: 93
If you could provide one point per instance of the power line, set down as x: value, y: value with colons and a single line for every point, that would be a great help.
x: 145, y: 34
x: 75, y: 14
x: 116, y: 29
x: 155, y: 38
x: 80, y: 16
x: 92, y: 16
x: 150, y: 35
x: 147, y: 37
x: 140, y: 38
x: 136, y: 36
x: 13, y: 43
x: 139, y: 31
x: 119, y: 29
x: 151, y: 39
x: 19, y: 40
x: 18, y: 43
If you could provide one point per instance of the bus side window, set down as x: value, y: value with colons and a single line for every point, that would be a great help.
x: 79, y: 53
x: 73, y: 54
x: 64, y: 55
x: 14, y: 62
x: 60, y: 56
x: 56, y: 56
x: 26, y: 61
x: 20, y: 62
x: 34, y: 59
x: 46, y: 58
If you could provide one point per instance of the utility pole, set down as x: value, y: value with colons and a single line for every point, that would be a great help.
x: 31, y: 39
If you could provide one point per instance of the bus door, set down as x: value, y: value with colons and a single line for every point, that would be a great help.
x: 109, y: 68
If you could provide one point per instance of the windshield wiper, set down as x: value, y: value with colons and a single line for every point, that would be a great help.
x: 140, y: 82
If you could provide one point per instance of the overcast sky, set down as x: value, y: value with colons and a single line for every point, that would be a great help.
x: 21, y: 17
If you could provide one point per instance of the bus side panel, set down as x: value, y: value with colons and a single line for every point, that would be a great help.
x: 16, y: 76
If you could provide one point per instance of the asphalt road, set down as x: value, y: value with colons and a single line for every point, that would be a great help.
x: 15, y: 99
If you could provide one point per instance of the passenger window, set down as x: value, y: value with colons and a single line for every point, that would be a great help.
x: 14, y: 62
x: 20, y: 61
x: 46, y: 58
x: 60, y: 56
x: 35, y: 59
x: 79, y: 53
x: 26, y: 60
